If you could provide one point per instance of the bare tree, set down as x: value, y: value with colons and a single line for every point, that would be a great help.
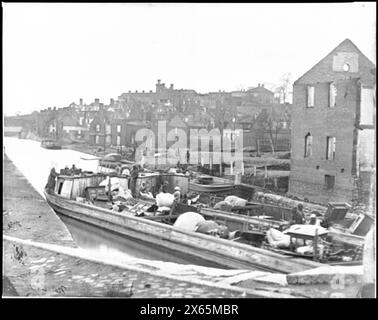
x: 260, y: 128
x: 271, y: 123
x: 285, y: 88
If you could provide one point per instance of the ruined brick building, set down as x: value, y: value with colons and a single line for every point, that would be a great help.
x: 333, y: 129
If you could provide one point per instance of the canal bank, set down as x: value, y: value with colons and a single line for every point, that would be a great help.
x: 26, y: 214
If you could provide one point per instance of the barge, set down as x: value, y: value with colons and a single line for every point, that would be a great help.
x: 67, y: 199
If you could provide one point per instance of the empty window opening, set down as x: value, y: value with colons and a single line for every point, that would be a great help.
x: 310, y: 96
x: 329, y: 182
x: 308, y: 145
x: 332, y: 95
x: 60, y: 187
x: 331, y: 148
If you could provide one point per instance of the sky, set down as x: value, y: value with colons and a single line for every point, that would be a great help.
x: 55, y: 54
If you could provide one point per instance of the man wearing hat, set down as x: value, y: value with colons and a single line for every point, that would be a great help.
x: 144, y: 192
x: 314, y: 219
x: 297, y: 215
x: 164, y: 187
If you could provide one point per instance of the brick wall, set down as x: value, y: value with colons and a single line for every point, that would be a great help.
x: 307, y: 177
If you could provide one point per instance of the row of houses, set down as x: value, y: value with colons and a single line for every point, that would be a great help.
x: 116, y: 123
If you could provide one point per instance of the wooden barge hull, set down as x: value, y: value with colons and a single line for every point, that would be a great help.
x: 222, y: 252
x: 241, y: 190
x: 211, y: 188
x: 53, y: 147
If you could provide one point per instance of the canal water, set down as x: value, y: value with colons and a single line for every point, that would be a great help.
x: 35, y: 164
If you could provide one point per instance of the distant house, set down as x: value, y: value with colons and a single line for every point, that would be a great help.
x: 11, y: 131
x: 100, y: 130
x: 15, y: 125
x: 260, y: 95
x: 123, y: 132
x: 333, y: 128
x: 71, y: 126
x: 163, y: 101
x: 114, y: 129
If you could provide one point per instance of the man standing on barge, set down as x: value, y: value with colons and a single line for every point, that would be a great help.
x: 50, y: 186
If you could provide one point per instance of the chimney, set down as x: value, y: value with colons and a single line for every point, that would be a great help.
x: 159, y: 81
x: 81, y: 101
x: 129, y: 91
x: 258, y: 85
x: 262, y: 85
x: 150, y: 91
x: 97, y: 100
x: 171, y: 87
x: 136, y: 91
x: 111, y: 101
x: 142, y: 91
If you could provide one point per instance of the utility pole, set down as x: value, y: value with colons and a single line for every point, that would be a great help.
x: 104, y: 135
x: 104, y: 140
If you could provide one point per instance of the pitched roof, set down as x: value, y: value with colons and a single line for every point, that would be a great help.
x: 260, y: 89
x: 324, y: 70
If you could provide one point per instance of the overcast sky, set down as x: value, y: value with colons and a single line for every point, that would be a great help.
x: 55, y: 54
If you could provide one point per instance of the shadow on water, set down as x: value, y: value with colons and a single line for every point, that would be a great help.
x: 105, y: 242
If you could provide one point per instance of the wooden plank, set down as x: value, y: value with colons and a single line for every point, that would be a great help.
x: 346, y: 238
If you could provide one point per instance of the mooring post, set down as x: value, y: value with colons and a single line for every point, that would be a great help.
x: 316, y: 245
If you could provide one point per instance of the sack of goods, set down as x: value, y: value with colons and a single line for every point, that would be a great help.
x: 223, y: 205
x: 114, y: 183
x: 309, y: 249
x: 147, y: 195
x: 212, y: 228
x: 277, y: 239
x: 123, y: 195
x: 236, y: 201
x: 189, y: 221
x: 164, y: 199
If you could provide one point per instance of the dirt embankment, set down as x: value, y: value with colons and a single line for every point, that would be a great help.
x: 26, y: 214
